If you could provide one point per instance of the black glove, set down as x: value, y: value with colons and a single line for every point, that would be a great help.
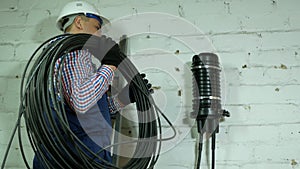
x: 113, y: 56
x: 106, y: 50
x: 126, y: 96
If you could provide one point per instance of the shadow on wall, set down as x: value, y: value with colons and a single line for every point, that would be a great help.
x: 46, y: 29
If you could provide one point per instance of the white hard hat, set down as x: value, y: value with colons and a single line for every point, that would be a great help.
x: 77, y: 7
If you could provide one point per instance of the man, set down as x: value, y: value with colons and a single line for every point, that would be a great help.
x: 88, y: 106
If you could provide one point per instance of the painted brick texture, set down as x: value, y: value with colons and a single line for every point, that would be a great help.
x: 258, y: 45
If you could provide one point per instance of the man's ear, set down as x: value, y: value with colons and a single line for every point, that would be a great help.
x: 78, y: 22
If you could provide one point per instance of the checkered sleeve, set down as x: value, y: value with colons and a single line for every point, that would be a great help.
x: 82, y: 86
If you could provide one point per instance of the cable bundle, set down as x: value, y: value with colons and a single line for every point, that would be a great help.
x: 48, y: 131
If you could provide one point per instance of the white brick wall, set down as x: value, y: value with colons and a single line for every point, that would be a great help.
x: 257, y: 42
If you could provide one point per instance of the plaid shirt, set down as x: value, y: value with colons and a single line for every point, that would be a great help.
x: 83, y: 86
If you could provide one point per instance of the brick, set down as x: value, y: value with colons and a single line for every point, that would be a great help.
x: 237, y: 42
x: 9, y: 103
x: 289, y: 135
x: 8, y: 123
x: 277, y: 153
x: 163, y: 36
x: 36, y: 34
x: 256, y: 114
x: 277, y: 22
x: 244, y: 23
x: 235, y: 16
x: 39, y: 16
x: 7, y: 133
x: 7, y: 52
x: 14, y: 153
x: 266, y: 7
x: 278, y: 135
x: 173, y: 166
x: 233, y: 60
x: 167, y: 66
x: 9, y: 95
x: 11, y: 69
x: 15, y: 160
x: 270, y: 58
x: 290, y: 6
x: 279, y: 75
x: 280, y: 40
x: 9, y: 5
x: 257, y: 134
x: 269, y: 165
x: 293, y: 20
x: 162, y: 42
x: 15, y: 34
x: 187, y: 161
x: 255, y: 41
x: 12, y: 18
x: 232, y: 154
x: 10, y: 85
x: 262, y: 94
x: 37, y: 5
x: 256, y: 7
x: 25, y: 50
x: 165, y: 100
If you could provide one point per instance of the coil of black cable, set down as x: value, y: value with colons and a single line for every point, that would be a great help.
x: 40, y: 91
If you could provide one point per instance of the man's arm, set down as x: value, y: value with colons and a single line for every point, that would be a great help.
x: 83, y: 88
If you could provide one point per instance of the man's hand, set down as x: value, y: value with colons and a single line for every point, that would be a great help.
x: 107, y: 51
x: 126, y: 96
x: 113, y: 57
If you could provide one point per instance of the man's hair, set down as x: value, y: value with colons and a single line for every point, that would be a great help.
x: 68, y: 28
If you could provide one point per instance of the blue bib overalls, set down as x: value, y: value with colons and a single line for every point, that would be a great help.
x: 92, y: 128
